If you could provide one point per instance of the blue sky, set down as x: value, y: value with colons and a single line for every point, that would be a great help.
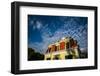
x: 44, y: 30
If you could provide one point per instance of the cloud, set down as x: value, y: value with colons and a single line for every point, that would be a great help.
x: 68, y: 29
x: 36, y: 24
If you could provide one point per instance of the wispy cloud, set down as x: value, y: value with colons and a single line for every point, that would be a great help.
x: 69, y: 28
x: 36, y: 24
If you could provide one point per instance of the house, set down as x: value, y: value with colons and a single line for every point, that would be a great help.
x: 66, y: 48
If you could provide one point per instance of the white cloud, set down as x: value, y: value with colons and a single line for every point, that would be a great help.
x: 67, y: 30
x: 31, y: 22
x: 38, y: 25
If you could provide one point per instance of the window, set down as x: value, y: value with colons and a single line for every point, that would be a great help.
x: 56, y: 57
x: 53, y: 47
x: 62, y: 45
x: 67, y: 45
x: 48, y: 50
x: 69, y: 57
x: 48, y: 58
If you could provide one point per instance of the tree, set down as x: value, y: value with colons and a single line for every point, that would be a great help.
x: 32, y: 55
